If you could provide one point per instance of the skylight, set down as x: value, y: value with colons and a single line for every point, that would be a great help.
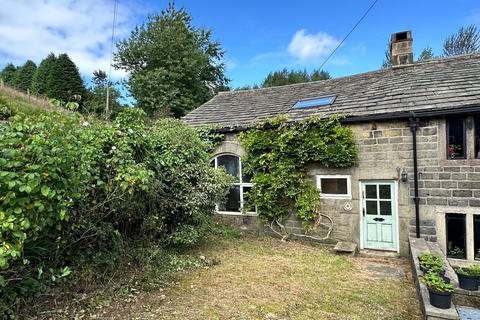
x: 316, y: 102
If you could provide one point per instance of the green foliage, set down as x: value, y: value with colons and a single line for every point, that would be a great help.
x: 465, y: 41
x: 173, y: 67
x: 73, y: 190
x: 277, y: 154
x: 426, y: 54
x: 472, y: 270
x: 24, y: 75
x: 39, y: 81
x: 210, y: 137
x: 431, y: 262
x: 8, y: 74
x: 97, y: 95
x: 284, y: 77
x: 434, y: 281
x: 64, y: 81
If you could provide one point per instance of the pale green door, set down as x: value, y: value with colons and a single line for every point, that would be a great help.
x: 379, y: 215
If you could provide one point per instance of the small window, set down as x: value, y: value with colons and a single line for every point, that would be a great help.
x: 237, y: 199
x: 334, y: 186
x: 316, y: 102
x: 476, y: 236
x: 456, y: 239
x: 456, y: 138
x: 476, y: 134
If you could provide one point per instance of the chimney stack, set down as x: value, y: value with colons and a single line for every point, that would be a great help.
x: 401, y: 48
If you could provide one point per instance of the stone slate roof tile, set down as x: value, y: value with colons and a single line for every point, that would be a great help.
x: 432, y: 85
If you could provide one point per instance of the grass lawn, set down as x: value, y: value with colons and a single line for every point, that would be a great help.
x: 263, y: 278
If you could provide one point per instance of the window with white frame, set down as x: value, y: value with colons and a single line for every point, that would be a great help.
x: 237, y: 199
x: 334, y: 186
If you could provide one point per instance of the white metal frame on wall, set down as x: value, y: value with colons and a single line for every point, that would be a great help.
x: 319, y: 178
x: 240, y: 184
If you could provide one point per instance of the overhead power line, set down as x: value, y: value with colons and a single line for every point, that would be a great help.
x: 115, y: 8
x: 349, y: 33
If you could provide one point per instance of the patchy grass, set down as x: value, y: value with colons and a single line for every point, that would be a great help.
x: 269, y: 279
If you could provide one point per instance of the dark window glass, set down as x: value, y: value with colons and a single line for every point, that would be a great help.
x: 456, y: 148
x: 233, y: 200
x: 371, y: 191
x: 231, y: 164
x: 477, y: 137
x: 386, y: 208
x: 385, y: 192
x: 334, y: 185
x: 371, y: 207
x: 246, y: 177
x: 456, y: 244
x: 476, y: 236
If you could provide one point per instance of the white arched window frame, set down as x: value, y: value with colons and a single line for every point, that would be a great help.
x: 235, y: 203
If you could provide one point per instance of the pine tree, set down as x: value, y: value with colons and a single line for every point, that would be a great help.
x: 283, y: 77
x: 64, y: 81
x: 39, y: 82
x: 426, y: 54
x: 24, y: 75
x: 8, y: 74
x: 465, y: 41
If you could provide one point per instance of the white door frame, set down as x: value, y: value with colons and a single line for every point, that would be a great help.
x: 395, y: 183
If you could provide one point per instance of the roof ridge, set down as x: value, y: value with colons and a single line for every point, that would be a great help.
x: 417, y: 63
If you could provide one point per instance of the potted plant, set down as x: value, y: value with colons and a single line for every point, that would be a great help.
x: 430, y: 261
x: 456, y: 253
x: 439, y: 291
x: 468, y: 277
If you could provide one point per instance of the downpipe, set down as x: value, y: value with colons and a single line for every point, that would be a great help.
x: 414, y: 125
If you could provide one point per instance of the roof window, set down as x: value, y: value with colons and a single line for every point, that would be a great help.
x: 316, y: 102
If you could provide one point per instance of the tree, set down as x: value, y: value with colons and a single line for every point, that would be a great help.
x: 465, y: 41
x: 24, y: 75
x: 387, y: 60
x: 97, y: 96
x: 64, y: 82
x: 173, y: 67
x: 39, y: 82
x: 284, y: 77
x: 8, y: 74
x: 426, y: 54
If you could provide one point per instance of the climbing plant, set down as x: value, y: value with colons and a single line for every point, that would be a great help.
x: 277, y: 154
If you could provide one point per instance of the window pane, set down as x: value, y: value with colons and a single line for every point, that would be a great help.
x: 371, y: 207
x: 476, y: 236
x: 456, y: 235
x: 385, y: 191
x: 231, y: 164
x: 456, y: 138
x: 247, y: 202
x: 386, y: 208
x: 233, y: 201
x: 371, y: 191
x: 334, y: 185
x: 246, y: 177
x: 477, y: 137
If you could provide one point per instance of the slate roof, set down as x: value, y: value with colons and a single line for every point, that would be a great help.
x: 440, y: 84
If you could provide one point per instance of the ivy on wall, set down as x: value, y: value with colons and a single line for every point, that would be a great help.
x: 277, y: 154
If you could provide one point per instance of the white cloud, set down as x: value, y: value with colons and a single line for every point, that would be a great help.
x: 32, y: 29
x: 305, y: 46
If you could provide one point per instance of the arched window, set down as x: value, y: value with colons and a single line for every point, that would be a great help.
x: 236, y: 201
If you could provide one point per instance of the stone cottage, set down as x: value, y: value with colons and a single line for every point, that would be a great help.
x: 417, y: 128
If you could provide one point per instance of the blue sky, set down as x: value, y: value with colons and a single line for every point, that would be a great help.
x: 258, y: 36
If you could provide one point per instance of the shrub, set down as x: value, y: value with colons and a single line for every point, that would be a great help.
x: 434, y: 281
x: 73, y: 190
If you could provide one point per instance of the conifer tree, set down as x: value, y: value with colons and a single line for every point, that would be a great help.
x: 24, y: 75
x: 39, y: 82
x: 64, y: 81
x: 8, y: 74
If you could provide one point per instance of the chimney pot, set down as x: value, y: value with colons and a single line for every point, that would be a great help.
x: 401, y: 48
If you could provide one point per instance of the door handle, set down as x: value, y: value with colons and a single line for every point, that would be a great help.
x: 378, y: 219
x: 363, y: 210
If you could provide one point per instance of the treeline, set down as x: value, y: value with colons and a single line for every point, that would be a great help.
x: 58, y: 78
x: 285, y: 76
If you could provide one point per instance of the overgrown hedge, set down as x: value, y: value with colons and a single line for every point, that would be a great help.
x: 74, y: 189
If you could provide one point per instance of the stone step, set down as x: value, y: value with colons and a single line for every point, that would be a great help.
x: 347, y: 248
x: 379, y: 254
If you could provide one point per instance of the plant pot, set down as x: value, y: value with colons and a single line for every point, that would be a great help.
x: 468, y: 282
x: 438, y: 299
x: 445, y: 278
